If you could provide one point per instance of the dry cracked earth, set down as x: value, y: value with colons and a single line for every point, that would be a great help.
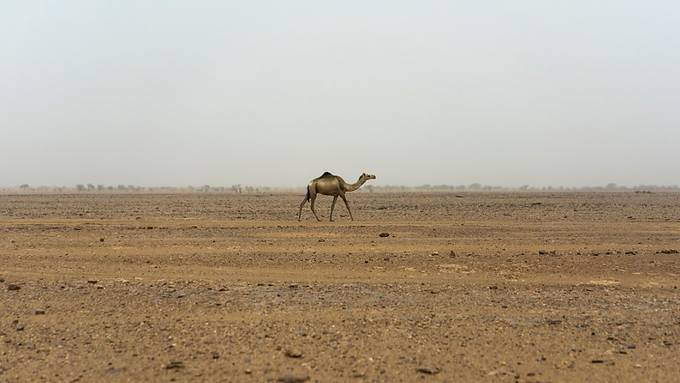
x: 533, y: 287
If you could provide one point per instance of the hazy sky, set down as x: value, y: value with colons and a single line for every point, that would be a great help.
x: 276, y: 92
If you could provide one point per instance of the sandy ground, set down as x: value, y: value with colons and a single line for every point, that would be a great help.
x: 469, y: 287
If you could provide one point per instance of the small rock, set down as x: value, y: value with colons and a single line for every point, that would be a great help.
x: 322, y: 240
x: 13, y: 287
x: 435, y: 253
x: 247, y: 371
x: 293, y: 286
x: 452, y: 254
x: 174, y: 365
x: 20, y: 327
x: 215, y: 355
x: 597, y: 361
x: 384, y: 235
x: 39, y: 312
x: 293, y: 378
x: 293, y: 353
x: 429, y: 370
x: 92, y: 281
x: 101, y: 239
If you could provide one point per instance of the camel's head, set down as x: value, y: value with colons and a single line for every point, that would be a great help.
x: 367, y: 177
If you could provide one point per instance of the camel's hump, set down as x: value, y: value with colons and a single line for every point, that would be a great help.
x: 326, y: 174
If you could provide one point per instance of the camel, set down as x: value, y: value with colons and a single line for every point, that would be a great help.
x: 329, y: 184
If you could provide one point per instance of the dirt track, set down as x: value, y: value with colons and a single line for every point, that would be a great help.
x: 475, y: 287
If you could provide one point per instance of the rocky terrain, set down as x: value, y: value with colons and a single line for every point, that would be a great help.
x: 510, y: 287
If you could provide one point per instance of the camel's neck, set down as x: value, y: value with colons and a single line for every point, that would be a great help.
x: 354, y: 186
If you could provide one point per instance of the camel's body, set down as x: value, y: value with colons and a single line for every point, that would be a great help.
x: 329, y: 184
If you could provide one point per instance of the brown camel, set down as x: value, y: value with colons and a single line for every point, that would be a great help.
x: 329, y: 184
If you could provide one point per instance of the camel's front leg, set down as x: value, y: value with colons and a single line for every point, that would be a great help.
x: 335, y: 198
x: 314, y: 210
x: 346, y: 204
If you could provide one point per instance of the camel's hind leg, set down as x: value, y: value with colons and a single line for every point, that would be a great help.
x: 313, y: 198
x: 335, y: 198
x: 304, y: 201
x: 346, y: 204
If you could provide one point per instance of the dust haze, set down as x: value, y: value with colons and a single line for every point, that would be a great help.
x: 167, y: 93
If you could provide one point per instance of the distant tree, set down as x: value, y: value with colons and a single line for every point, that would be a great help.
x: 24, y: 186
x: 475, y: 186
x: 100, y: 187
x: 90, y: 187
x: 611, y: 185
x: 80, y: 187
x: 524, y: 187
x: 121, y: 187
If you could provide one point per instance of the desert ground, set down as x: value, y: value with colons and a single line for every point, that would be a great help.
x: 507, y: 287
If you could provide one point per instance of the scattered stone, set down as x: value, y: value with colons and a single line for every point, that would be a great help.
x: 631, y: 347
x: 39, y: 312
x: 631, y: 253
x: 452, y: 254
x: 293, y: 353
x: 92, y: 281
x: 149, y: 227
x: 101, y: 239
x: 322, y: 240
x: 293, y: 378
x: 384, y: 235
x: 536, y: 203
x: 293, y: 286
x: 597, y: 361
x: 248, y: 371
x: 2, y: 280
x: 545, y: 252
x: 428, y: 370
x: 13, y: 287
x: 554, y: 321
x: 77, y: 228
x: 493, y: 287
x: 668, y: 251
x: 174, y: 365
x: 215, y: 355
x: 20, y: 327
x: 435, y: 253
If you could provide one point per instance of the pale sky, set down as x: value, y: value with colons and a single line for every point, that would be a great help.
x: 569, y: 93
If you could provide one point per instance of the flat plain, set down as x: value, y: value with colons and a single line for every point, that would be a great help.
x: 509, y: 287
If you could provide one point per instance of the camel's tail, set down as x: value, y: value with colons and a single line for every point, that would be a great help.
x: 307, y: 197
